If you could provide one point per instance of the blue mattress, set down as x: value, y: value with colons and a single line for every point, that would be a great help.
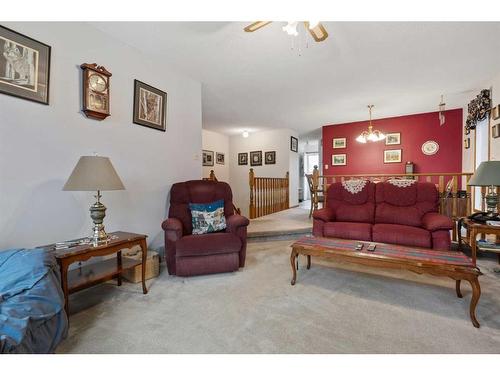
x: 32, y: 316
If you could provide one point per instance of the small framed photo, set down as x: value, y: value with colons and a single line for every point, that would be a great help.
x: 208, y: 158
x: 243, y: 158
x: 467, y: 143
x: 270, y: 157
x: 393, y: 139
x: 150, y: 106
x: 24, y: 66
x: 339, y: 159
x: 495, y: 112
x: 392, y: 156
x: 294, y: 144
x: 219, y: 158
x: 495, y: 131
x: 339, y: 142
x: 255, y: 158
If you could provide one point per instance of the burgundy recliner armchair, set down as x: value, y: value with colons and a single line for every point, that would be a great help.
x: 189, y: 254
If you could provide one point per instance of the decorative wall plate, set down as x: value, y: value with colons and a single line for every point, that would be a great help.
x: 430, y: 148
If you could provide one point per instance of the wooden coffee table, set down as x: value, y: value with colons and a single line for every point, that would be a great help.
x: 453, y: 264
x: 92, y: 274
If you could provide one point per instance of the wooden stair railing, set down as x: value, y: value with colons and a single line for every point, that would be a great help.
x: 212, y: 177
x: 450, y: 203
x: 268, y: 194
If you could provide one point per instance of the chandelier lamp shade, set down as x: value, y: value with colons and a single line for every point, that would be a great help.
x: 370, y: 135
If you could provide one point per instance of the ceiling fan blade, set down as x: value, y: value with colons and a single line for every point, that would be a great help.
x: 319, y: 32
x: 256, y: 26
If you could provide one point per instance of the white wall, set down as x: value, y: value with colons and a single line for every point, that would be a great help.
x: 217, y: 142
x: 286, y: 161
x: 40, y: 145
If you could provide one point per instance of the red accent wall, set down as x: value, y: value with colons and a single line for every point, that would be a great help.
x: 368, y: 158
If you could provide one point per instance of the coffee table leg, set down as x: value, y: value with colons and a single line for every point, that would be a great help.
x: 476, y: 293
x: 308, y: 262
x: 63, y: 266
x: 457, y: 288
x: 119, y: 266
x: 293, y: 256
x: 144, y: 247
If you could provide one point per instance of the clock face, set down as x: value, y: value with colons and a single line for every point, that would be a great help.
x: 97, y: 83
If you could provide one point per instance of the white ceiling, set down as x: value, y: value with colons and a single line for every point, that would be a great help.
x: 255, y: 80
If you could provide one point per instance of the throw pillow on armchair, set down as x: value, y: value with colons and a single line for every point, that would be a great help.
x: 208, y: 217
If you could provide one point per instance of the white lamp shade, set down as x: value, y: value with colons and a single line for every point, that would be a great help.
x: 487, y: 174
x: 93, y: 173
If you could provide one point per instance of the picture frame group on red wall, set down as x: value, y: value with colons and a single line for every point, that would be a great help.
x: 393, y: 156
x: 339, y: 159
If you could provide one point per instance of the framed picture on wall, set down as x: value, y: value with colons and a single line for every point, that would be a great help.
x: 393, y: 139
x: 294, y: 144
x: 392, y: 156
x: 467, y: 143
x: 255, y: 158
x: 270, y: 157
x: 208, y: 158
x: 339, y: 159
x: 219, y: 158
x: 243, y: 158
x: 24, y: 66
x: 339, y: 142
x: 495, y: 131
x: 150, y: 106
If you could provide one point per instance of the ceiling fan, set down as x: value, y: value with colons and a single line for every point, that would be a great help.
x: 316, y: 29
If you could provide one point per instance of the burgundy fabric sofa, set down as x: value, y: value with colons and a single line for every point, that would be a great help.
x: 383, y: 212
x: 189, y: 254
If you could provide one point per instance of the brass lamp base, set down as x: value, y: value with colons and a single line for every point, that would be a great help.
x: 97, y: 213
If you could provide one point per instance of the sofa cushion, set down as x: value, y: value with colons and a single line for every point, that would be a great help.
x: 401, y: 235
x: 358, y: 214
x: 396, y: 195
x: 388, y: 214
x: 208, y: 244
x: 352, y: 207
x: 353, y: 231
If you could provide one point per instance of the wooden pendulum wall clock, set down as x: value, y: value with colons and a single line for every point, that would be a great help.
x: 95, y: 91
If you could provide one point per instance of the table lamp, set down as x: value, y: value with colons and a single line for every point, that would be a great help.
x: 95, y: 173
x: 488, y: 174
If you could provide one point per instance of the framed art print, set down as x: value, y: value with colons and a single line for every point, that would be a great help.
x: 495, y: 133
x: 270, y: 157
x: 24, y: 66
x: 393, y: 139
x: 150, y: 106
x: 219, y: 158
x: 243, y: 158
x: 255, y: 158
x: 339, y: 159
x: 208, y: 158
x: 294, y: 144
x: 392, y: 156
x: 339, y: 142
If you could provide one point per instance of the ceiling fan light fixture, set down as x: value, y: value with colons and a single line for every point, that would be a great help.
x: 313, y: 24
x: 291, y: 28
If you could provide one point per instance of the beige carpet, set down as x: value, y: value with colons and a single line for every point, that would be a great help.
x: 331, y: 310
x: 288, y: 222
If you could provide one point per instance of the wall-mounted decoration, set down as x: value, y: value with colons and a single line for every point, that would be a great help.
x: 467, y: 130
x: 467, y: 143
x: 208, y: 158
x: 339, y: 159
x: 409, y: 167
x: 495, y: 112
x: 255, y: 158
x: 392, y: 156
x: 495, y: 131
x: 393, y: 139
x: 24, y: 66
x: 430, y: 148
x: 150, y: 106
x: 243, y: 158
x: 339, y: 143
x: 270, y: 157
x: 219, y: 158
x: 96, y: 88
x: 478, y: 108
x: 294, y: 144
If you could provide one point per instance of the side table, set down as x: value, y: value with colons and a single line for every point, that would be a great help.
x: 92, y: 274
x: 473, y: 230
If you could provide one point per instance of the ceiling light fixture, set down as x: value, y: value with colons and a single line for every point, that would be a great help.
x: 245, y: 134
x: 291, y: 28
x: 370, y: 135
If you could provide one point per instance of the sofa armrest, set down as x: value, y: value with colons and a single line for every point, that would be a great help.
x: 234, y: 222
x: 173, y: 228
x: 433, y: 221
x: 325, y: 214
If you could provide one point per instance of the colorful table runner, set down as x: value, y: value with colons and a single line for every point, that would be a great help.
x: 394, y: 251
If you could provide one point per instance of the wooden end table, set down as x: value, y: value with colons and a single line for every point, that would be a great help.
x: 473, y: 230
x: 92, y: 274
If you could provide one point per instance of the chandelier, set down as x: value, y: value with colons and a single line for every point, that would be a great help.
x: 370, y: 135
